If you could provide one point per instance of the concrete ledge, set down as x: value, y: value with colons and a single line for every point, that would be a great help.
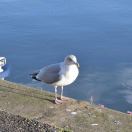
x: 73, y: 115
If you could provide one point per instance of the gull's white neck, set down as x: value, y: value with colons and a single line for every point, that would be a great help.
x: 70, y: 73
x: 68, y: 68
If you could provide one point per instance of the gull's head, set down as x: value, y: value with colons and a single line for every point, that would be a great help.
x: 71, y: 60
x: 2, y: 61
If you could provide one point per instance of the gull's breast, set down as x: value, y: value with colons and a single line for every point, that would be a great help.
x: 68, y: 75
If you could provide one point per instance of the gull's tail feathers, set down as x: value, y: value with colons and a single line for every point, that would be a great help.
x: 34, y: 75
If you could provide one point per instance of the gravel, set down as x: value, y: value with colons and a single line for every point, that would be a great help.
x: 16, y: 123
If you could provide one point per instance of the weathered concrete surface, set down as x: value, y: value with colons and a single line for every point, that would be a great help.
x: 78, y: 116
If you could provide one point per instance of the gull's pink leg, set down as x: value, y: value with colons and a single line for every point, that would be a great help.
x: 57, y: 101
x: 62, y: 97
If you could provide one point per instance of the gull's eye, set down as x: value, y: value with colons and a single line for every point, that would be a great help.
x: 69, y: 59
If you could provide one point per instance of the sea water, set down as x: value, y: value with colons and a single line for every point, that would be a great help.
x: 36, y: 33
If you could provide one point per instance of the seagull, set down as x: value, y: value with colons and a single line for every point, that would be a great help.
x: 59, y: 74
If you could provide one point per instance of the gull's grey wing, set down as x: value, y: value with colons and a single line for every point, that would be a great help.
x: 50, y: 74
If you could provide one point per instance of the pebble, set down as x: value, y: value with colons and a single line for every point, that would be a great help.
x: 51, y: 107
x: 94, y: 124
x: 68, y: 110
x: 117, y: 122
x: 73, y: 113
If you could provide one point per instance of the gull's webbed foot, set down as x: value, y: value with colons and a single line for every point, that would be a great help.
x: 57, y: 101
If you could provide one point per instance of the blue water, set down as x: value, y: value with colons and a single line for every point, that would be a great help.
x: 35, y: 33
